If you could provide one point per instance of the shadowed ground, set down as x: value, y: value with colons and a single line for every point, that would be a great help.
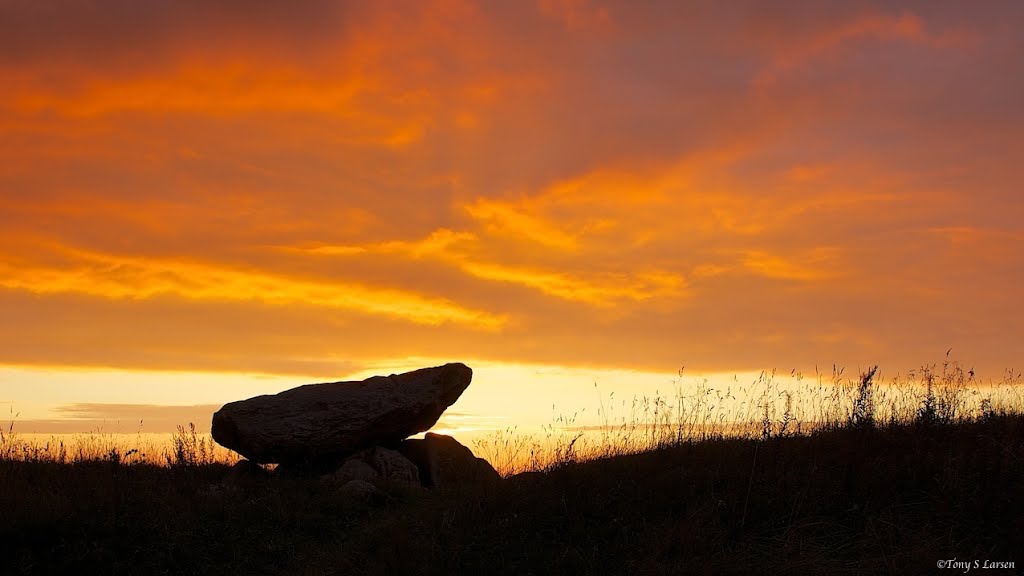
x: 853, y: 500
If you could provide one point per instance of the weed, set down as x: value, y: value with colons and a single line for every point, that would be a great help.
x: 863, y: 413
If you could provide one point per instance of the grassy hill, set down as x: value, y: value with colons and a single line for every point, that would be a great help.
x: 849, y: 500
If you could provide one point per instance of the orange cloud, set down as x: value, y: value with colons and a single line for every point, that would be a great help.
x: 199, y: 87
x: 816, y: 264
x: 599, y: 290
x: 235, y: 184
x: 501, y: 218
x: 150, y: 418
x: 436, y: 244
x: 906, y: 26
x: 123, y: 277
x: 465, y: 252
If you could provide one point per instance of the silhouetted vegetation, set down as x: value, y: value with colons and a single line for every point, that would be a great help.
x: 941, y: 477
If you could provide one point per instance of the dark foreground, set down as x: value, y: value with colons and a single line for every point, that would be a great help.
x: 849, y: 501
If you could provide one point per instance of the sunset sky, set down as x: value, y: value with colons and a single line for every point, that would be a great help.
x: 205, y: 200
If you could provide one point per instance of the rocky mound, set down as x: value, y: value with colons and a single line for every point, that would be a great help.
x: 319, y: 423
x: 358, y: 430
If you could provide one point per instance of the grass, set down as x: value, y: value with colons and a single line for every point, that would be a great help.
x: 769, y: 407
x: 187, y: 446
x: 888, y: 476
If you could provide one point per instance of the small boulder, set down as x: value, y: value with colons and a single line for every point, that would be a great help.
x: 443, y: 462
x: 394, y: 467
x: 354, y: 469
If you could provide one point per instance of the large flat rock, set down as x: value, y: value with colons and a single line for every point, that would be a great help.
x: 320, y: 424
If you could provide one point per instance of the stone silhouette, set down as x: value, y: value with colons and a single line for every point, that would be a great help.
x: 376, y: 465
x: 444, y: 463
x: 317, y: 426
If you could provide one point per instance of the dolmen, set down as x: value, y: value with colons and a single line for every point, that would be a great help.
x: 358, y: 433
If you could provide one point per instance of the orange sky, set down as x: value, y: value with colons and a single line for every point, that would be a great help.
x: 306, y: 190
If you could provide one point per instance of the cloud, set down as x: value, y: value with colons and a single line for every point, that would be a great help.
x: 904, y: 26
x: 123, y: 277
x: 81, y: 418
x: 598, y: 290
x: 436, y: 244
x: 468, y: 253
x: 577, y: 15
x: 298, y: 188
x: 164, y: 415
x: 503, y: 219
x: 816, y: 264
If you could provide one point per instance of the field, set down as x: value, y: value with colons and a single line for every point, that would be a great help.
x: 886, y: 477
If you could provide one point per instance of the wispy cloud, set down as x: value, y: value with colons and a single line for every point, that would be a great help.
x: 122, y: 277
x: 119, y: 418
x: 816, y: 264
x: 500, y: 218
x: 597, y: 290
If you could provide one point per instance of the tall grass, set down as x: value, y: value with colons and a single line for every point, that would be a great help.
x: 185, y: 447
x: 769, y: 407
x: 937, y: 394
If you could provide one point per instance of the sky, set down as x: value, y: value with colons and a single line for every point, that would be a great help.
x: 202, y: 201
